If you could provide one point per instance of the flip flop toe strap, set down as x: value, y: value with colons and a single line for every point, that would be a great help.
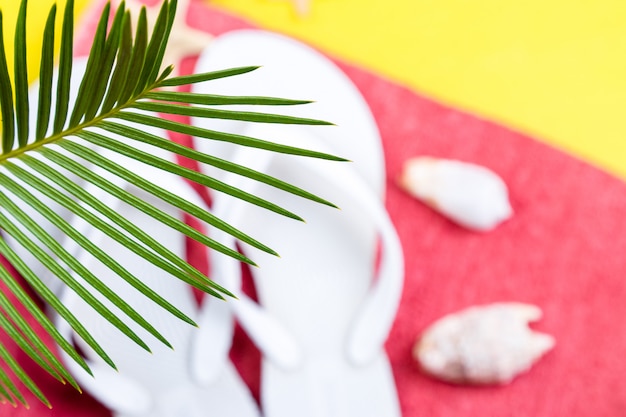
x: 374, y: 318
x: 272, y: 339
x: 119, y: 392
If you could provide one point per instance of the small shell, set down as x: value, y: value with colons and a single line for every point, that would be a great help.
x: 483, y: 345
x: 469, y: 194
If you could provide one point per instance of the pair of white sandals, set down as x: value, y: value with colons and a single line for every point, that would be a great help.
x: 326, y: 305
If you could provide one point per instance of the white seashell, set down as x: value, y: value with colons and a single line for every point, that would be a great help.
x: 489, y: 344
x: 469, y: 194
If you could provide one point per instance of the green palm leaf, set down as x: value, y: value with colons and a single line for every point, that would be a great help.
x: 52, y: 163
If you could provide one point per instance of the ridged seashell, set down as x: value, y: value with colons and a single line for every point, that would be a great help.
x: 469, y: 194
x: 489, y: 344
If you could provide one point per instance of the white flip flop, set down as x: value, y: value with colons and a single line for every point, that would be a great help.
x: 326, y: 288
x: 198, y: 372
x: 163, y: 383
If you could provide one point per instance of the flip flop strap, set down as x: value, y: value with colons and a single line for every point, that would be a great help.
x: 375, y: 316
x: 123, y: 394
x: 267, y: 333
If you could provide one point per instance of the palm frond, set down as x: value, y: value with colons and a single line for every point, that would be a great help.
x: 52, y: 164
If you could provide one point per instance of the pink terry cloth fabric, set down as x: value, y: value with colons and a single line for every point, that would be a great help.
x: 563, y: 250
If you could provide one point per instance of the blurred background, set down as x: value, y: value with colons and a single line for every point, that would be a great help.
x: 554, y: 71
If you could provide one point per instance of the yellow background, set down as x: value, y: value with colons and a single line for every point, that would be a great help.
x: 554, y: 69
